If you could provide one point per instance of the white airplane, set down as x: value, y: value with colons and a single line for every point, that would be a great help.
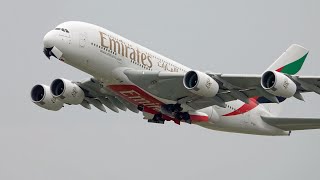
x: 126, y: 75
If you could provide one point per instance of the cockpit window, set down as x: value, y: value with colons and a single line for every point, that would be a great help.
x: 62, y: 29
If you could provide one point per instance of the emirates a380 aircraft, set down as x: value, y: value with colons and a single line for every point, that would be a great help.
x: 126, y: 75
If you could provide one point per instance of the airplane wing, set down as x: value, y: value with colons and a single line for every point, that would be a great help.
x: 169, y: 85
x: 289, y: 124
x: 276, y: 84
x: 280, y: 76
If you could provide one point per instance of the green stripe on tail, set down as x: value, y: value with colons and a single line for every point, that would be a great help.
x: 293, y: 67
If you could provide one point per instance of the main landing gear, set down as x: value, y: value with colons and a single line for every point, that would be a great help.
x: 157, y: 118
x: 183, y: 116
x: 175, y: 111
x: 172, y: 110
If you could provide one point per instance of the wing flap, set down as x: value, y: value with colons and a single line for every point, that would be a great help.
x: 97, y: 95
x: 289, y: 124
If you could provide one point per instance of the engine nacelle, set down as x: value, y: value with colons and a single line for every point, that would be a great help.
x: 200, y: 83
x: 41, y: 96
x: 67, y: 91
x: 278, y: 84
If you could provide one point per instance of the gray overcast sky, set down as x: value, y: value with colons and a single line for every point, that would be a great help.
x: 220, y: 36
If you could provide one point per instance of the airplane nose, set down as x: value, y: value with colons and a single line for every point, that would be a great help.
x: 48, y: 40
x: 50, y: 45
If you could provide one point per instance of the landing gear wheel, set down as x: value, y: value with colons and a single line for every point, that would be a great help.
x: 188, y: 121
x: 161, y: 121
x: 178, y: 116
x: 157, y: 118
x: 183, y: 116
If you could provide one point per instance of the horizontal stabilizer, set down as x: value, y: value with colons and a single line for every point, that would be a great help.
x: 289, y: 124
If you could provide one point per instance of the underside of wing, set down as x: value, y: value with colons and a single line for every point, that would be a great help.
x: 166, y: 85
x: 289, y: 124
x: 100, y: 97
x: 170, y: 86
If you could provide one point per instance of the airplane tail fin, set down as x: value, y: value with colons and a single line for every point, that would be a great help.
x: 290, y: 62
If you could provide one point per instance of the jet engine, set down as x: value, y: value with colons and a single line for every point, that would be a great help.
x: 67, y: 91
x: 278, y: 84
x: 200, y: 83
x: 41, y: 96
